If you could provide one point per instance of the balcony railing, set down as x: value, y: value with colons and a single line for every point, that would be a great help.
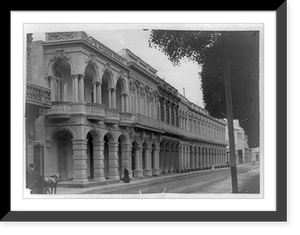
x: 125, y: 119
x: 112, y: 115
x: 38, y: 95
x: 60, y: 109
x: 95, y: 111
x: 147, y: 121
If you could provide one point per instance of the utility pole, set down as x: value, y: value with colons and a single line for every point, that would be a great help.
x: 229, y: 114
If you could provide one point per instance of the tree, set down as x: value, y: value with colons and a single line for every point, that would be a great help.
x: 208, y: 49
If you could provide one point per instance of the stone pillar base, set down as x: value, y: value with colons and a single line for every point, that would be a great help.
x: 155, y: 172
x: 80, y: 181
x: 147, y: 172
x: 99, y: 179
x: 137, y: 174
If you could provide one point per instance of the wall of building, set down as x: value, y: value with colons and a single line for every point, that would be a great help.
x: 137, y: 121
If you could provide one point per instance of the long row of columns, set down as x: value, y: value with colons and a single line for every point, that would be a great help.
x: 149, y: 167
x: 148, y: 161
x: 80, y: 165
x: 78, y: 92
x: 169, y: 112
x: 200, y: 157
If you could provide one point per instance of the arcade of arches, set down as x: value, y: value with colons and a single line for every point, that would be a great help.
x: 103, y: 155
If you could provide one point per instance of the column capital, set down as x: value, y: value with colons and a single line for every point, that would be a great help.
x: 49, y: 77
x: 97, y: 82
x: 113, y: 143
x: 77, y: 75
x: 79, y: 141
x: 98, y: 142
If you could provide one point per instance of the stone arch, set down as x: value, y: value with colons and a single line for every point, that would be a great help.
x: 59, y: 56
x: 121, y: 95
x: 111, y: 136
x: 52, y: 131
x: 107, y: 89
x: 108, y: 76
x: 92, y: 64
x: 59, y: 157
x: 123, y: 149
x: 59, y: 79
x: 94, y: 132
x: 124, y: 137
x: 91, y: 76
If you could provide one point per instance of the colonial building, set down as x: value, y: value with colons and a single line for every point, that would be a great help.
x: 92, y: 112
x: 241, y: 144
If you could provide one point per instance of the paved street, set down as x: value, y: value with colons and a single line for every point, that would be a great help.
x: 209, y: 181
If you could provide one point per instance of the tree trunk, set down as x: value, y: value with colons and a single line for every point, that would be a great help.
x: 229, y: 114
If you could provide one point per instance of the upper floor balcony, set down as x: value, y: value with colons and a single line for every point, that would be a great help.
x: 93, y: 111
x: 38, y: 95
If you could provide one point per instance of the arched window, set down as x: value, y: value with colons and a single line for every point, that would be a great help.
x: 60, y: 86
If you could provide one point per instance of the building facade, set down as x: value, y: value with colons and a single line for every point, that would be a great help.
x: 242, y: 150
x: 92, y: 112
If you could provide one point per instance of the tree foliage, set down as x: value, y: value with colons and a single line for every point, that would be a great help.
x: 208, y: 49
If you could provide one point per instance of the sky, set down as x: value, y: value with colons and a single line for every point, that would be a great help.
x: 134, y: 38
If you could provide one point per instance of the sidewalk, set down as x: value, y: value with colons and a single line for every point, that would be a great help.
x: 61, y: 190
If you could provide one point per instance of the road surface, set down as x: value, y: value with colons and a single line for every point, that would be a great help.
x: 208, y: 181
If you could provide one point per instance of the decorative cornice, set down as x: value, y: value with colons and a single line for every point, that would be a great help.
x: 107, y: 68
x: 60, y: 36
x: 91, y: 60
x: 60, y: 56
x: 60, y: 123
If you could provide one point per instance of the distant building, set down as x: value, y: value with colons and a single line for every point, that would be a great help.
x: 241, y: 144
x: 255, y: 154
x: 92, y: 112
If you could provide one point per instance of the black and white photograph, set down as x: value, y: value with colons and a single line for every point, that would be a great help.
x: 144, y: 110
x: 148, y: 116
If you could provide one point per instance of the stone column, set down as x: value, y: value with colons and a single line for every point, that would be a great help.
x: 94, y: 92
x: 98, y: 160
x: 204, y: 158
x: 38, y: 157
x: 137, y: 173
x: 155, y: 170
x: 170, y: 114
x: 183, y: 158
x: 109, y: 98
x: 197, y: 167
x: 80, y: 161
x: 166, y: 160
x: 81, y: 88
x: 219, y: 157
x: 210, y: 157
x: 113, y: 98
x: 113, y: 160
x: 201, y: 158
x: 125, y: 149
x: 147, y: 170
x: 75, y: 87
x: 171, y: 159
x: 165, y: 112
x: 99, y: 97
x: 161, y: 160
x: 52, y: 88
x: 123, y: 102
x: 64, y: 96
x: 192, y: 164
x: 181, y: 169
x: 175, y: 116
x: 177, y: 167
